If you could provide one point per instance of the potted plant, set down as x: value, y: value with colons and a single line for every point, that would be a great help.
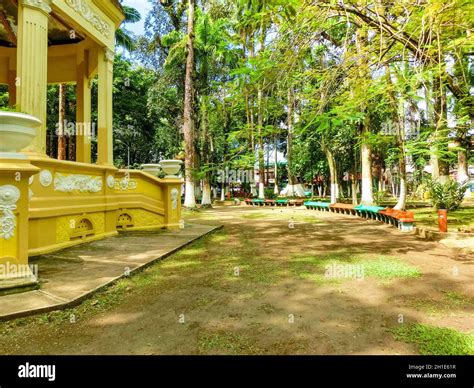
x: 171, y: 167
x: 445, y: 197
x: 17, y: 130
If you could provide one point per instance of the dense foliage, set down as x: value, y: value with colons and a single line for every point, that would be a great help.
x: 358, y: 100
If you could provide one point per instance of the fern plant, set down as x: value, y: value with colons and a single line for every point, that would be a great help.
x: 448, y: 195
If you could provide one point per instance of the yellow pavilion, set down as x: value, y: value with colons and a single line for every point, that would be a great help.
x: 48, y: 204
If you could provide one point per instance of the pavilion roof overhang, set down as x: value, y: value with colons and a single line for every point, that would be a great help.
x: 62, y: 20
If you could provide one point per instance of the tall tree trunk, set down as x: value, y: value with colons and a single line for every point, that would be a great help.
x: 398, y: 119
x: 71, y: 146
x: 354, y: 189
x: 463, y: 174
x: 289, y: 144
x: 441, y: 172
x: 275, y: 190
x: 62, y: 117
x: 333, y: 176
x: 206, y: 201
x: 261, y: 159
x: 354, y: 177
x: 188, y: 124
x: 206, y: 192
x: 402, y: 195
x: 223, y: 190
x: 367, y: 196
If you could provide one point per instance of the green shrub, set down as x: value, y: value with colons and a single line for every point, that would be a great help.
x: 448, y: 195
x: 269, y: 193
x: 379, y: 197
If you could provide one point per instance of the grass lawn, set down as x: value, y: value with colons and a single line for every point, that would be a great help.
x: 436, y: 340
x: 458, y: 220
x: 264, y: 285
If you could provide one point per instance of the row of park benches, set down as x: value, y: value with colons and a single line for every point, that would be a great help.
x: 274, y: 202
x: 401, y: 219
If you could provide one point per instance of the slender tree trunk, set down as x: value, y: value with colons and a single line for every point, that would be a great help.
x: 398, y: 118
x: 261, y: 159
x: 223, y: 190
x: 463, y: 172
x: 289, y: 144
x: 463, y: 175
x: 188, y: 124
x: 367, y: 197
x: 275, y: 190
x: 440, y: 167
x: 249, y: 121
x: 402, y: 194
x: 71, y: 145
x: 333, y: 176
x: 206, y: 192
x: 354, y: 180
x: 206, y: 201
x: 354, y: 190
x: 62, y: 117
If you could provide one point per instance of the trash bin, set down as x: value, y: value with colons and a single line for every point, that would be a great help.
x: 443, y: 220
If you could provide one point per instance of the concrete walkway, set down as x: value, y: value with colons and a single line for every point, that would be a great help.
x: 69, y: 276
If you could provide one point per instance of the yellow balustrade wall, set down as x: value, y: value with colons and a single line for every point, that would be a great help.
x: 71, y: 203
x: 46, y: 204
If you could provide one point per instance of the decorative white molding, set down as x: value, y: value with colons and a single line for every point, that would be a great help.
x: 46, y: 178
x: 9, y: 195
x: 126, y: 184
x: 174, y: 198
x: 81, y: 183
x: 84, y: 9
x: 43, y: 5
x: 109, y: 55
x: 110, y: 181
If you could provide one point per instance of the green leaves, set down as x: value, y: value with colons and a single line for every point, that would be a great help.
x: 448, y: 195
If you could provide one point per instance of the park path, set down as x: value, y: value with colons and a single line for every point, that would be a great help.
x: 246, y: 290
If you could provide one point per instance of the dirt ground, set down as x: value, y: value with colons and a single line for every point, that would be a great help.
x: 254, y: 288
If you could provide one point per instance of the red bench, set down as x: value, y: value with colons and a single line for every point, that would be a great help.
x: 296, y: 202
x: 342, y: 208
x: 402, y: 219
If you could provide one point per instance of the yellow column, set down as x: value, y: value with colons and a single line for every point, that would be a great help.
x: 83, y: 109
x: 32, y: 62
x: 104, y: 108
x: 172, y: 202
x: 14, y: 200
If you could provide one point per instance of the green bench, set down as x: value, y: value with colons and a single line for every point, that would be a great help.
x: 372, y: 212
x: 281, y: 202
x: 316, y: 205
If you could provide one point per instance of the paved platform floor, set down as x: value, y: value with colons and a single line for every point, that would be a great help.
x: 68, y: 276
